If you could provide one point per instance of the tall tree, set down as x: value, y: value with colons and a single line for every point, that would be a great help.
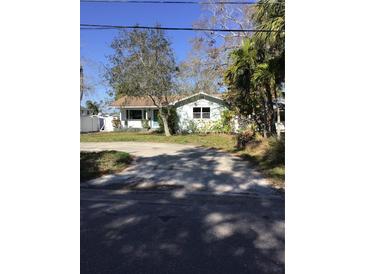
x: 93, y: 106
x: 270, y: 15
x: 143, y: 64
x: 82, y: 84
x: 204, y: 68
x: 87, y: 86
x: 256, y: 70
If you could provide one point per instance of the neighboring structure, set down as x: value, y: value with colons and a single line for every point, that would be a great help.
x: 201, y: 108
x: 106, y: 122
x: 88, y: 122
x: 279, y: 107
x: 85, y: 112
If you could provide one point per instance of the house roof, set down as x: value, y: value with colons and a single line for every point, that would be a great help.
x: 200, y: 95
x: 145, y: 101
x: 133, y: 101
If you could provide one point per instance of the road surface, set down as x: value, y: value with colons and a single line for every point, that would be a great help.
x: 185, y: 168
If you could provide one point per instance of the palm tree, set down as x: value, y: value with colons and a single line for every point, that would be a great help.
x: 270, y: 15
x: 257, y: 68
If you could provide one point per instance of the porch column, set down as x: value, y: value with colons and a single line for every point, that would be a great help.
x: 152, y: 116
x: 278, y: 122
x: 120, y: 117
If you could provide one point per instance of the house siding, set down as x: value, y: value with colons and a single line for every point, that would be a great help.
x: 184, y: 109
x: 185, y: 113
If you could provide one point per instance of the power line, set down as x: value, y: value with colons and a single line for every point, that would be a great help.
x: 178, y: 2
x: 106, y: 27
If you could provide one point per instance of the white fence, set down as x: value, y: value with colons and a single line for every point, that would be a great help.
x: 107, y: 123
x: 89, y: 123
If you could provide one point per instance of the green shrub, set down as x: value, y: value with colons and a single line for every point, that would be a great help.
x: 145, y: 124
x: 244, y: 137
x: 224, y: 124
x: 116, y: 123
x: 275, y: 155
x: 220, y: 127
x: 172, y: 121
x: 192, y: 127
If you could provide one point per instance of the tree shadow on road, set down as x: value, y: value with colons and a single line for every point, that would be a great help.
x: 195, y: 169
x: 178, y: 230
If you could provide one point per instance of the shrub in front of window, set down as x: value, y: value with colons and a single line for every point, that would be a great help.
x: 116, y: 123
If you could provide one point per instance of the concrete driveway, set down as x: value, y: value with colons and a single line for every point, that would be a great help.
x: 181, y: 168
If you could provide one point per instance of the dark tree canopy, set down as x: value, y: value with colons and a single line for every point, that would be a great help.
x: 143, y: 64
x: 256, y: 70
x: 93, y: 107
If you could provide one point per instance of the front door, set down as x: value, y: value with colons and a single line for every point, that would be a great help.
x: 155, y: 119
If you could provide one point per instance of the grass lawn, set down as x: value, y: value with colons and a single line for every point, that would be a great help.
x: 268, y: 156
x: 220, y: 141
x: 96, y: 164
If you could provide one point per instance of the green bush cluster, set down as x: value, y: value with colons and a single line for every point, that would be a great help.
x: 192, y: 127
x: 172, y: 121
x: 145, y: 124
x: 275, y: 155
x: 225, y: 124
x: 245, y: 137
x: 116, y: 123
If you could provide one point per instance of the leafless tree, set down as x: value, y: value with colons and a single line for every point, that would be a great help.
x: 203, y: 70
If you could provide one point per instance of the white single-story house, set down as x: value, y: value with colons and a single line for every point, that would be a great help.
x: 200, y: 107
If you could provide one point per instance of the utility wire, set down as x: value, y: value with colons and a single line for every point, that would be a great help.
x: 105, y: 27
x: 178, y: 2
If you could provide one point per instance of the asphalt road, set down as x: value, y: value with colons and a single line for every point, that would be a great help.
x: 157, y: 232
x: 180, y: 209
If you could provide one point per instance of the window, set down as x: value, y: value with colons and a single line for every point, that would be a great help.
x: 206, y: 113
x: 196, y: 113
x: 134, y: 114
x: 155, y: 115
x: 201, y: 113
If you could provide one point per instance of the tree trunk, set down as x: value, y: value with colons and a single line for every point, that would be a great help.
x: 270, y: 106
x: 82, y: 87
x: 165, y: 125
x: 265, y: 119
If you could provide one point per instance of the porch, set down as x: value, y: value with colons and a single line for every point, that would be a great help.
x: 136, y: 117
